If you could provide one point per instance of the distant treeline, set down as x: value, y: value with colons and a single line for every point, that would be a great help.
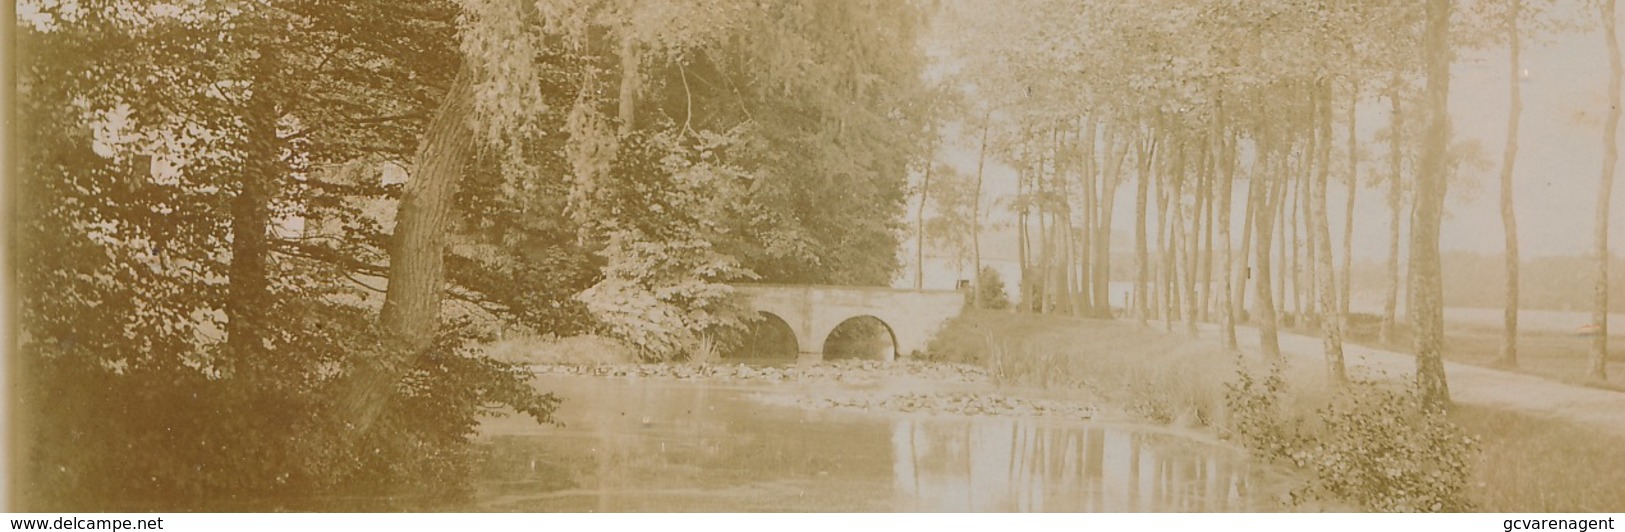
x: 1478, y: 280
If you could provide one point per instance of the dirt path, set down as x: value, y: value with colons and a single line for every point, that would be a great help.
x: 1469, y: 385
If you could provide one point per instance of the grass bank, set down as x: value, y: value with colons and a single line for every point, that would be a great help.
x: 1559, y: 356
x: 1369, y: 446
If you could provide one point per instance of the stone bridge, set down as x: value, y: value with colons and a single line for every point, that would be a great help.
x: 813, y: 312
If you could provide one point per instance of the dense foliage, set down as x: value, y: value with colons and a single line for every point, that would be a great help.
x: 192, y: 231
x: 1369, y: 445
x: 207, y: 195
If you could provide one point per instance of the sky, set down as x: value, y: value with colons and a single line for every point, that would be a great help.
x: 1556, y: 176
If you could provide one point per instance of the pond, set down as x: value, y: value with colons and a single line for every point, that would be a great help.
x: 670, y: 445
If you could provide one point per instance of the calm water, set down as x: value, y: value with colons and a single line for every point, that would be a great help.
x: 661, y: 445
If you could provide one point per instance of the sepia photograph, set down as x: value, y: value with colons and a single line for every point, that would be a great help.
x: 813, y: 256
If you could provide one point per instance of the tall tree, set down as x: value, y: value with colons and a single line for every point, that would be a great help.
x: 1509, y: 156
x: 411, y: 311
x: 1427, y: 320
x: 1610, y: 138
x: 976, y: 211
x: 919, y: 228
x: 1395, y: 201
x: 1330, y: 323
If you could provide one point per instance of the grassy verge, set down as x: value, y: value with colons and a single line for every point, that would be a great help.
x: 1163, y: 378
x: 1562, y: 357
x: 1533, y: 464
x: 1369, y: 446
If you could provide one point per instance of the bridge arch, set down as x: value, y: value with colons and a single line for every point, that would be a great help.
x: 770, y: 337
x: 863, y: 336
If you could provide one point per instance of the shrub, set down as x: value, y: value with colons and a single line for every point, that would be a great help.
x: 1257, y: 414
x: 1381, y: 449
x: 993, y: 295
x: 1372, y: 445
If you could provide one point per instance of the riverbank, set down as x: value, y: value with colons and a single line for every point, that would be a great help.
x: 995, y: 364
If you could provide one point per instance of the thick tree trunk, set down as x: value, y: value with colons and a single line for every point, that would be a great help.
x: 248, y: 290
x: 1428, y: 319
x: 1610, y: 159
x: 411, y: 313
x: 1509, y: 156
x: 1331, y: 327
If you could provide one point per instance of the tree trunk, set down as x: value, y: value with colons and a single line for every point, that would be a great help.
x: 1244, y: 272
x: 976, y: 218
x: 1390, y: 305
x: 411, y: 313
x: 1142, y: 256
x: 1267, y: 196
x: 1331, y: 327
x: 1086, y: 183
x: 1304, y: 276
x: 1176, y: 224
x: 1080, y: 235
x: 1044, y: 282
x: 1348, y: 208
x: 1161, y: 294
x: 248, y: 289
x: 1208, y: 190
x: 919, y: 229
x: 1509, y: 156
x: 1193, y: 243
x: 1102, y: 267
x: 1023, y: 245
x: 1227, y: 332
x: 1428, y: 319
x: 1610, y: 158
x: 1283, y: 178
x: 628, y: 102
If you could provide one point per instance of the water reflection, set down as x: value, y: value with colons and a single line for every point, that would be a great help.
x: 672, y: 446
x: 991, y: 464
